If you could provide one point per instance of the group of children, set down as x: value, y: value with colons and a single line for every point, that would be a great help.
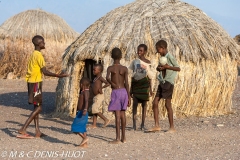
x: 140, y: 91
x: 117, y: 78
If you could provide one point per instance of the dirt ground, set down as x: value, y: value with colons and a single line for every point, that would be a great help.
x: 196, y: 138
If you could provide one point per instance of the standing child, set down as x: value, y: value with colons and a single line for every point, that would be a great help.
x: 35, y: 68
x: 117, y: 76
x: 80, y: 122
x: 141, y: 83
x: 166, y: 78
x: 98, y: 95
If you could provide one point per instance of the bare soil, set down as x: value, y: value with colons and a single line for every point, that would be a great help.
x: 196, y: 137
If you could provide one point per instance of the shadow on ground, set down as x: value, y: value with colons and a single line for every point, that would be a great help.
x: 20, y: 100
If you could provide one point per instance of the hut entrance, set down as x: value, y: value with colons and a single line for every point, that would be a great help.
x: 88, y: 69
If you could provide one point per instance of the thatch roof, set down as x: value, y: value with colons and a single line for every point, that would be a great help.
x: 32, y: 22
x: 237, y: 39
x: 16, y: 34
x: 205, y: 52
x: 183, y: 25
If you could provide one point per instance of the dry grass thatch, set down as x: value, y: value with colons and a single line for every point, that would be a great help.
x: 237, y: 39
x: 206, y: 53
x: 16, y: 34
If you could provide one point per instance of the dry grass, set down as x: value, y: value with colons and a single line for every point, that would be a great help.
x: 16, y: 34
x: 206, y: 53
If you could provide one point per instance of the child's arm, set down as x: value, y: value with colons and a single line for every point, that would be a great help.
x: 105, y: 82
x: 78, y: 105
x: 166, y: 66
x: 48, y: 73
x: 150, y: 86
x: 127, y: 86
x: 174, y: 67
x: 113, y: 85
x: 86, y: 98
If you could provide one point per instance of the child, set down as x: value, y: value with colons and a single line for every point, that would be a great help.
x: 81, y: 119
x: 120, y: 97
x: 141, y: 83
x: 36, y: 66
x: 165, y: 88
x: 98, y: 95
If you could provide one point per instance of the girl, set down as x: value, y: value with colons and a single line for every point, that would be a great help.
x: 81, y: 119
x: 141, y: 83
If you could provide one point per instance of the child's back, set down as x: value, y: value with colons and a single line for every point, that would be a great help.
x: 118, y: 75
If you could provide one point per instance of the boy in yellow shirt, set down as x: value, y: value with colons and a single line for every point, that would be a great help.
x: 36, y: 67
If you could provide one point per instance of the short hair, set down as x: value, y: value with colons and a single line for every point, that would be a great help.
x: 100, y: 66
x: 161, y: 44
x: 116, y: 53
x: 144, y: 46
x: 85, y: 81
x: 36, y: 38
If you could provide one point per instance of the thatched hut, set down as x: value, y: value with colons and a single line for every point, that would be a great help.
x: 16, y: 34
x: 206, y: 53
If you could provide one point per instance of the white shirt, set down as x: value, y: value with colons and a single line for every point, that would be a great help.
x: 141, y: 69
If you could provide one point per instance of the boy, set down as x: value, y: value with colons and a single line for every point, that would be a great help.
x: 141, y: 83
x: 81, y: 119
x: 98, y: 95
x: 166, y: 78
x: 117, y: 76
x: 36, y: 66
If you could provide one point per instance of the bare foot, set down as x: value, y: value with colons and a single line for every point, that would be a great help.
x: 115, y: 142
x: 123, y: 141
x: 171, y: 130
x: 154, y: 129
x: 20, y: 131
x: 39, y: 135
x: 91, y: 127
x: 106, y: 123
x: 84, y: 141
x: 85, y: 145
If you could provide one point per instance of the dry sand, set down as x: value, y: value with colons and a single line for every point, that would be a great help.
x: 196, y: 138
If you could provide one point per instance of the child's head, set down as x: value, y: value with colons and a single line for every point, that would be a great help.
x: 84, y: 83
x: 98, y: 68
x: 142, y: 49
x: 116, y: 54
x: 161, y: 47
x: 38, y: 41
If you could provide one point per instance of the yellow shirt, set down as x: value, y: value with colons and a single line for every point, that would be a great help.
x: 35, y: 63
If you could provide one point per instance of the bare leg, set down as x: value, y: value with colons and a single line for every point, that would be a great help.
x: 32, y: 116
x: 94, y: 125
x: 123, y: 125
x: 84, y: 138
x: 134, y: 112
x: 144, y: 112
x: 155, y: 112
x: 117, y: 123
x: 168, y: 105
x: 106, y: 121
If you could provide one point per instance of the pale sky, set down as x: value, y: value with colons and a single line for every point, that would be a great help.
x: 80, y: 14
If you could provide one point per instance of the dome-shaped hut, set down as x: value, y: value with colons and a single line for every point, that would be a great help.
x: 16, y: 38
x: 206, y: 54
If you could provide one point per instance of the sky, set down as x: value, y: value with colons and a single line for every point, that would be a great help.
x: 80, y: 14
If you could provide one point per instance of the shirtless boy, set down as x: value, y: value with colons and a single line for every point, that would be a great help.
x: 98, y: 95
x: 117, y: 76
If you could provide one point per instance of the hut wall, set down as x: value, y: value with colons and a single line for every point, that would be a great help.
x: 204, y: 89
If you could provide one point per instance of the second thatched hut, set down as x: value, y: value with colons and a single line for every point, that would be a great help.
x: 206, y: 54
x: 15, y: 40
